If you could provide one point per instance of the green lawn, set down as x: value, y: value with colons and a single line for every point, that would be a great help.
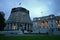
x: 53, y: 37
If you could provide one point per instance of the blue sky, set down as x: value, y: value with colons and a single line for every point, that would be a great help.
x: 37, y: 8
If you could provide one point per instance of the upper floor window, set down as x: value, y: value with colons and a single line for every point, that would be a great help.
x: 46, y: 23
x: 51, y: 17
x: 59, y: 25
x: 38, y: 18
x: 57, y: 21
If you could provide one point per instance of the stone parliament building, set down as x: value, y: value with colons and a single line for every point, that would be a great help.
x: 19, y: 20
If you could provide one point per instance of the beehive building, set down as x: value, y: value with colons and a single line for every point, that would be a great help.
x: 19, y: 19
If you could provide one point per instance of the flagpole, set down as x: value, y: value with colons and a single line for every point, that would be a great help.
x: 20, y: 4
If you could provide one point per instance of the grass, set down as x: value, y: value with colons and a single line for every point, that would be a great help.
x: 47, y: 37
x: 2, y: 35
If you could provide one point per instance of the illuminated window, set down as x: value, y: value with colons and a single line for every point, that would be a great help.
x: 39, y: 19
x: 39, y: 23
x: 46, y: 23
x: 42, y: 23
x: 57, y: 21
x: 59, y: 25
x: 14, y: 27
x: 51, y: 17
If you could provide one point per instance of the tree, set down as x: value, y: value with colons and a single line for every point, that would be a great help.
x: 2, y: 21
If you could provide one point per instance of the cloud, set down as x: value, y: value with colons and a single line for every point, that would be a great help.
x: 37, y: 8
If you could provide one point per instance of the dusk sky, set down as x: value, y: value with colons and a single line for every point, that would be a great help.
x: 37, y: 8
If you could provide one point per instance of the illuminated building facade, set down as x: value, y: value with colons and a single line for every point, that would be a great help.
x: 46, y: 24
x: 19, y: 19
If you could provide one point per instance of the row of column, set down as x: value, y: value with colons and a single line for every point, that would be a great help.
x: 27, y: 26
x: 10, y: 26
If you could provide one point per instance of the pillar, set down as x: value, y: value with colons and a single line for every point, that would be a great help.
x: 9, y: 26
x: 15, y: 24
x: 12, y: 26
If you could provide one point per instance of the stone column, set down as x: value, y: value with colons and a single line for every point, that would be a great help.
x: 16, y: 26
x: 23, y: 26
x: 12, y: 26
x: 26, y: 26
x: 29, y: 27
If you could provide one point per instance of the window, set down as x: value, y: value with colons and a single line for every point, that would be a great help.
x: 58, y: 29
x: 51, y: 21
x: 46, y: 26
x: 39, y: 23
x: 59, y: 25
x: 39, y: 26
x: 46, y: 18
x: 14, y: 27
x: 9, y: 27
x: 52, y: 25
x: 38, y: 18
x: 51, y: 17
x: 46, y: 23
x: 57, y: 21
x: 42, y: 23
x: 52, y: 30
x: 43, y: 26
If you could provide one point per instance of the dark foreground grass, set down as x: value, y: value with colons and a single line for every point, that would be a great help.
x: 47, y: 37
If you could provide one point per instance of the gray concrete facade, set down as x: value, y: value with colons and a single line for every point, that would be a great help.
x: 19, y: 19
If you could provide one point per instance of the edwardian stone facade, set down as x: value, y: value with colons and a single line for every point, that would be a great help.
x: 46, y: 24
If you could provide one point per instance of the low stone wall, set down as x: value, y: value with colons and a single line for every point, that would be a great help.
x: 11, y: 32
x: 57, y: 33
x: 20, y: 32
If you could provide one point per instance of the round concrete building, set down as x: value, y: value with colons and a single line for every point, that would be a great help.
x: 19, y: 19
